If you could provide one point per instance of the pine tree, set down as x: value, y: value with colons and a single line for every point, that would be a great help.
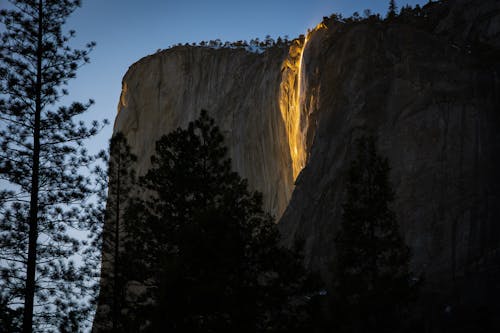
x: 120, y: 182
x: 393, y: 9
x: 205, y: 254
x: 41, y: 160
x: 10, y: 319
x: 372, y: 279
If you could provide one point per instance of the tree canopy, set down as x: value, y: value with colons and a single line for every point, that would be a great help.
x: 393, y: 9
x: 372, y: 279
x: 205, y: 255
x: 42, y: 156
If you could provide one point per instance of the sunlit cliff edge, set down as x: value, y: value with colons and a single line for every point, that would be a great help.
x: 429, y: 92
x: 258, y: 100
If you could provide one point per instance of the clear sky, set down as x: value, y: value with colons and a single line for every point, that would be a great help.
x: 127, y: 30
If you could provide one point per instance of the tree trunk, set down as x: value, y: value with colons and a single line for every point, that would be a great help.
x: 33, y: 213
x: 116, y: 285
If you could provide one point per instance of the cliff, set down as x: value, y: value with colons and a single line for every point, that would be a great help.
x: 240, y: 89
x: 428, y: 89
x: 431, y: 95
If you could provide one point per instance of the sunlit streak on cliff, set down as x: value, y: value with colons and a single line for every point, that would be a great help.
x: 292, y: 99
x: 123, y: 97
x: 290, y: 104
x: 299, y: 156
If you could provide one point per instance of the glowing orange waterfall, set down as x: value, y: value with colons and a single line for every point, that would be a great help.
x: 290, y: 87
x: 299, y: 152
x: 292, y: 99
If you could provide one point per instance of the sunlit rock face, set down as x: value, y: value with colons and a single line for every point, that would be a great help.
x: 290, y: 106
x: 298, y: 97
x: 241, y: 90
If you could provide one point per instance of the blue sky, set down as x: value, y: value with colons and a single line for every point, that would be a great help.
x: 127, y: 30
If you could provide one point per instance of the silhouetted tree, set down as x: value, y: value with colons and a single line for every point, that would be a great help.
x: 393, y: 9
x: 41, y: 157
x: 10, y: 319
x: 268, y: 41
x: 372, y: 282
x: 406, y: 11
x: 207, y: 255
x: 121, y: 177
x: 120, y: 181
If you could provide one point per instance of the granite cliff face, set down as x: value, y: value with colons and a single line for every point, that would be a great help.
x: 432, y: 97
x: 430, y: 93
x: 239, y: 89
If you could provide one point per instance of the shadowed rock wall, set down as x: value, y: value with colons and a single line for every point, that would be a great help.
x: 432, y: 97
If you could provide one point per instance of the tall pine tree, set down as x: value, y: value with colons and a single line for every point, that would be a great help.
x: 372, y: 283
x: 393, y: 9
x: 41, y: 161
x: 120, y: 184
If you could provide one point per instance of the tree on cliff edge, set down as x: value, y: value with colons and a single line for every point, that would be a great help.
x: 41, y: 157
x: 203, y: 249
x: 372, y: 281
x: 393, y: 9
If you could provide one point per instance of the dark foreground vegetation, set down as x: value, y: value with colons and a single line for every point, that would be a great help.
x: 188, y: 248
x: 192, y: 251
